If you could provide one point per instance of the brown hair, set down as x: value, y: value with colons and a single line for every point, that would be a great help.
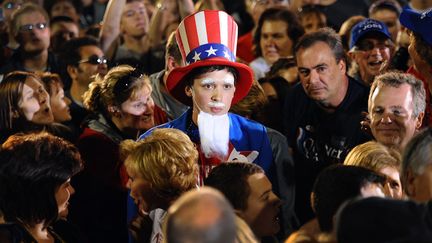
x: 103, y: 91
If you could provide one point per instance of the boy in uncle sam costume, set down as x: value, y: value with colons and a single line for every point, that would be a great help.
x: 210, y: 83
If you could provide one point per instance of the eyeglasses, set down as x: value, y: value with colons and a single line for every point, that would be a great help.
x: 30, y: 27
x: 12, y: 5
x: 95, y: 60
x: 125, y: 82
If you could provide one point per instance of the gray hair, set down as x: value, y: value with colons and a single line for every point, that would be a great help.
x: 396, y: 79
x: 418, y: 153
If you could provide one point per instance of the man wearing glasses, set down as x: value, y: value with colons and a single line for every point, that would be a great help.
x: 81, y: 59
x: 30, y: 28
x: 370, y: 49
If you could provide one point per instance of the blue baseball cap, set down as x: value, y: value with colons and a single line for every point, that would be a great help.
x: 420, y: 23
x: 368, y: 26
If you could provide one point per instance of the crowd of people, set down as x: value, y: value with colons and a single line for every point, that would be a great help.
x: 215, y: 121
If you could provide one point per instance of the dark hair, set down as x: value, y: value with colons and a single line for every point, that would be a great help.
x: 49, y: 4
x: 70, y: 56
x: 172, y: 48
x: 423, y: 49
x: 295, y: 29
x: 280, y: 64
x: 11, y: 90
x: 48, y: 79
x: 32, y: 168
x: 326, y: 35
x: 190, y: 77
x: 231, y: 179
x: 59, y: 19
x: 336, y: 184
x: 391, y: 5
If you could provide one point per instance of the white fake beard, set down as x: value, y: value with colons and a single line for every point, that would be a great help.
x: 214, y: 134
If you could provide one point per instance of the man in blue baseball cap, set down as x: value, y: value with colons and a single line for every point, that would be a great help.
x: 420, y: 50
x: 370, y: 48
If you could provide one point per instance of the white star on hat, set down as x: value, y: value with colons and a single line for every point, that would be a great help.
x: 196, y: 57
x: 227, y: 56
x: 211, y: 51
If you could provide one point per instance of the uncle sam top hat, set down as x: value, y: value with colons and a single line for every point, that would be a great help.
x: 208, y: 38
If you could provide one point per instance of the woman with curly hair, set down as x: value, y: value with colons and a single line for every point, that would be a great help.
x: 160, y: 167
x: 122, y: 107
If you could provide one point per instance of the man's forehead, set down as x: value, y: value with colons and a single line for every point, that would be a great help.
x: 399, y: 92
x: 32, y: 16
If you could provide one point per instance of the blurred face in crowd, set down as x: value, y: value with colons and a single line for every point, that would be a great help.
x: 59, y: 103
x: 212, y: 92
x: 393, y: 186
x: 322, y: 76
x: 9, y: 6
x: 28, y: 103
x: 370, y: 54
x: 263, y: 207
x: 136, y: 113
x: 44, y: 115
x: 33, y: 33
x: 134, y: 20
x: 389, y: 18
x: 259, y: 6
x: 419, y: 187
x: 91, y: 63
x: 392, y: 118
x: 64, y: 8
x: 313, y: 21
x: 62, y: 32
x: 62, y: 197
x: 274, y: 41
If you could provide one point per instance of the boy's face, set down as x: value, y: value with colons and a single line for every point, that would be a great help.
x: 212, y: 92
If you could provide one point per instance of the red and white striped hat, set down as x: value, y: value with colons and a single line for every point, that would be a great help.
x: 208, y: 38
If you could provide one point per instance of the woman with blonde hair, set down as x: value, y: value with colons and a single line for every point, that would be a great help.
x: 160, y: 167
x: 122, y: 107
x: 379, y: 158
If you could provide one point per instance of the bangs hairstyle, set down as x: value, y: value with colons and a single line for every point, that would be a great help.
x: 374, y: 156
x: 11, y: 89
x: 167, y: 159
x: 33, y: 168
x: 118, y: 85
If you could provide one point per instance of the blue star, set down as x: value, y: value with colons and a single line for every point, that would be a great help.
x: 196, y: 57
x: 211, y: 51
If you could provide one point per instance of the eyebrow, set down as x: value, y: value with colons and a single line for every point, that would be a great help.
x: 320, y: 65
x: 265, y: 193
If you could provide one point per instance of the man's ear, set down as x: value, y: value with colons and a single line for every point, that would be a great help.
x: 419, y: 120
x: 409, y: 183
x: 72, y: 71
x: 171, y: 63
x: 188, y: 91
